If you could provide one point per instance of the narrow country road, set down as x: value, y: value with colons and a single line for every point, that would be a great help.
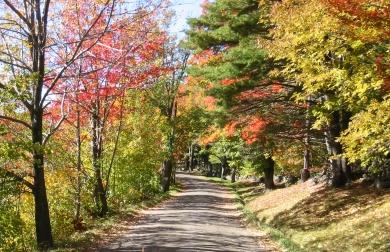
x: 202, y: 217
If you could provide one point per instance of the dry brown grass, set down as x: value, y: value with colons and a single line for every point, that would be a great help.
x: 318, y: 218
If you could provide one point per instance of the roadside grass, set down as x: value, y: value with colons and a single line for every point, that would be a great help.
x: 243, y: 192
x: 102, y: 230
x: 308, y: 217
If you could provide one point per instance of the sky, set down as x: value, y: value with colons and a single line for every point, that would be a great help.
x: 184, y: 9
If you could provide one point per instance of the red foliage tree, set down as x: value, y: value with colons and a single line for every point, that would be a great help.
x: 122, y: 59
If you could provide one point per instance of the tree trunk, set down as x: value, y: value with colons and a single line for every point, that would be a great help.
x: 340, y: 170
x: 234, y: 171
x: 269, y: 169
x: 206, y: 164
x: 167, y: 174
x: 108, y: 175
x: 345, y: 119
x: 42, y: 217
x: 305, y: 172
x: 78, y: 186
x: 338, y: 177
x: 174, y: 174
x: 99, y: 192
x: 191, y: 157
x: 187, y: 163
x: 167, y: 171
x: 210, y: 169
x: 224, y: 167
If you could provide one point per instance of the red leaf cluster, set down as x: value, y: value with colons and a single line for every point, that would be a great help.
x: 231, y: 128
x: 210, y: 102
x: 261, y: 92
x: 119, y: 59
x: 252, y: 132
x: 364, y: 13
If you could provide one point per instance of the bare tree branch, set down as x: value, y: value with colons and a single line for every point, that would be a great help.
x: 45, y: 17
x: 20, y: 15
x: 59, y: 122
x: 77, y: 54
x: 13, y: 64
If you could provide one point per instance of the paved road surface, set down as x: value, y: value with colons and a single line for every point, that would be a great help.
x: 202, y: 217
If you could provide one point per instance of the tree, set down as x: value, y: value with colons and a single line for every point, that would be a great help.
x: 136, y: 176
x: 231, y: 151
x: 367, y: 139
x: 28, y: 41
x: 325, y: 61
x: 226, y: 37
x: 102, y: 78
x: 164, y: 95
x: 368, y: 25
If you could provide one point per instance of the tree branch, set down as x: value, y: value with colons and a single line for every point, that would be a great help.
x: 45, y: 17
x: 77, y: 52
x: 15, y: 120
x: 17, y: 12
x: 59, y: 122
x: 19, y: 179
x: 16, y: 93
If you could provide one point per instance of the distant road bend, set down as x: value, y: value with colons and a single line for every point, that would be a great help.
x: 203, y: 217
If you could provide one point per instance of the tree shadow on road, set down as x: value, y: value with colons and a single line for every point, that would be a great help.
x: 201, y: 218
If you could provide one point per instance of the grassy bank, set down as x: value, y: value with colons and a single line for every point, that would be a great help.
x: 308, y: 217
x: 103, y: 230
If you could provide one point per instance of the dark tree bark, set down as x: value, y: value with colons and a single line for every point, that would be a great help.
x: 305, y: 172
x: 114, y: 152
x: 187, y: 163
x: 340, y: 170
x: 206, y: 163
x: 168, y: 163
x: 167, y: 174
x: 224, y: 166
x: 99, y: 192
x: 173, y: 173
x: 42, y: 217
x: 192, y: 158
x: 234, y: 171
x: 78, y: 166
x: 269, y: 169
x: 210, y: 169
x: 345, y: 119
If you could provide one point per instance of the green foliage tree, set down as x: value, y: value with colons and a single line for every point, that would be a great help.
x: 367, y: 138
x: 321, y: 57
x: 226, y: 39
x: 164, y: 95
x: 135, y: 175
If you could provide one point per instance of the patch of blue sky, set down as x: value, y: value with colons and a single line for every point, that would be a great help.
x: 184, y: 9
